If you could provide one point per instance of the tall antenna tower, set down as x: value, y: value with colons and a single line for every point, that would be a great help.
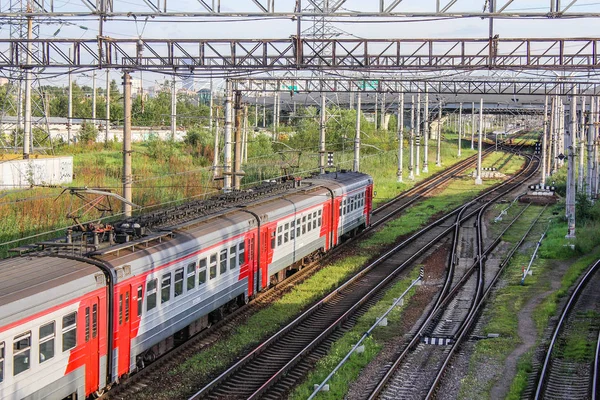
x: 23, y: 116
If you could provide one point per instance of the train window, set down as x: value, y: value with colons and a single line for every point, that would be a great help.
x: 320, y: 218
x: 304, y: 225
x: 178, y: 282
x: 223, y: 261
x: 309, y: 225
x: 87, y: 324
x: 287, y: 226
x: 47, y: 335
x: 279, y: 229
x: 279, y: 240
x: 140, y: 300
x: 69, y: 331
x: 241, y: 255
x: 201, y: 276
x: 273, y: 239
x: 127, y: 306
x: 121, y: 309
x: 21, y: 352
x: 165, y: 288
x: 314, y: 220
x: 1, y: 361
x: 191, y: 276
x: 95, y: 315
x: 298, y: 227
x: 232, y: 257
x: 213, y: 266
x: 286, y: 236
x: 151, y: 294
x: 292, y: 233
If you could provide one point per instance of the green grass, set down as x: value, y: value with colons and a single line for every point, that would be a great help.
x: 341, y: 381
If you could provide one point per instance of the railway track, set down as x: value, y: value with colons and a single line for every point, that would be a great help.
x: 567, y: 372
x: 269, y: 371
x: 142, y: 380
x: 419, y: 368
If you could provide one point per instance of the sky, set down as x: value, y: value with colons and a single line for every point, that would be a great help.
x: 266, y: 28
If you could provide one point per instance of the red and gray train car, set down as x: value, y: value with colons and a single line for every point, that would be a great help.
x: 61, y: 316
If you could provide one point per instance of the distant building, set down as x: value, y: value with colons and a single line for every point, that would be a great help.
x: 204, y: 96
x: 136, y: 87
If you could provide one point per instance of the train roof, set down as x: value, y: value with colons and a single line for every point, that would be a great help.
x: 22, y: 277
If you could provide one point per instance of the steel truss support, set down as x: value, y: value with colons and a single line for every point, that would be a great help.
x: 328, y: 8
x: 186, y: 55
x: 451, y: 86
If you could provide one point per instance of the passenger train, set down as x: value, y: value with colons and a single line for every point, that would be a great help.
x: 71, y: 326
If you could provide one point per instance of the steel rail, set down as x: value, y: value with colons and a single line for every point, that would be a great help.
x: 578, y: 289
x: 471, y: 318
x: 440, y: 302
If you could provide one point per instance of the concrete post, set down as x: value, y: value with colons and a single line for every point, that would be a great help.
x: 478, y: 180
x: 127, y: 178
x: 544, y: 141
x: 552, y: 160
x: 107, y: 122
x: 418, y: 134
x: 356, y: 166
x: 228, y: 133
x: 210, y: 108
x: 473, y: 126
x: 570, y: 147
x: 237, y: 142
x: 382, y: 124
x: 264, y: 113
x: 322, y: 134
x: 411, y: 173
x: 173, y: 109
x: 94, y: 98
x: 459, y: 129
x: 581, y: 138
x: 561, y: 133
x: 376, y: 106
x: 70, y: 110
x: 426, y: 132
x: 590, y: 150
x: 400, y: 134
x: 216, y: 171
x: 245, y: 131
x: 438, y: 158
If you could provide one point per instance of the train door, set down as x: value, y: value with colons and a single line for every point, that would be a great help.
x: 252, y: 264
x: 123, y: 316
x: 91, y: 314
x: 369, y: 203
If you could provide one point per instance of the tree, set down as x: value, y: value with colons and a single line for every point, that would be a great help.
x: 87, y: 133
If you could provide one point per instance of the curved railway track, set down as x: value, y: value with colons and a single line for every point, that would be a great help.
x: 565, y: 374
x: 261, y: 372
x: 419, y: 368
x: 140, y: 381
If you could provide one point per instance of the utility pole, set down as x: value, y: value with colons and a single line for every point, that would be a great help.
x: 94, y: 98
x: 127, y: 178
x: 438, y: 158
x: 590, y: 150
x: 544, y: 141
x: 237, y: 148
x: 245, y: 136
x: 400, y: 134
x: 210, y: 108
x: 411, y: 173
x: 552, y: 160
x: 473, y: 126
x: 227, y: 133
x: 426, y: 132
x: 173, y: 109
x: 418, y: 134
x: 322, y: 135
x: 70, y: 110
x: 382, y: 115
x: 570, y: 147
x: 264, y: 113
x: 216, y: 146
x: 256, y: 112
x: 561, y: 134
x: 460, y: 129
x: 107, y: 122
x: 356, y: 166
x: 581, y: 130
x: 478, y: 180
x: 376, y: 105
x: 27, y: 134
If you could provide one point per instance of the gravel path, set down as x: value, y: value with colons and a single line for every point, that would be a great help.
x: 527, y: 332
